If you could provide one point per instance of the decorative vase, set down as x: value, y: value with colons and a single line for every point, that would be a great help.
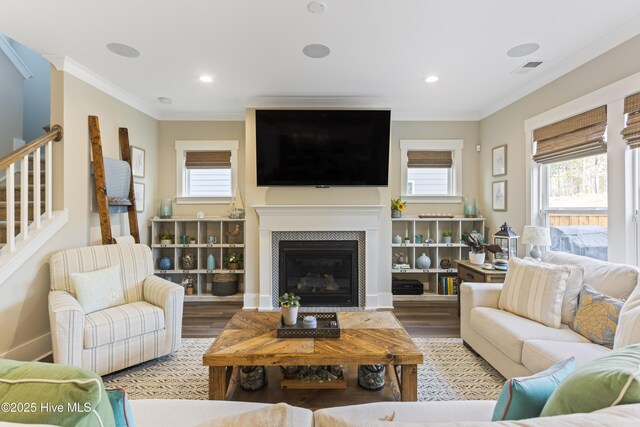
x: 470, y: 207
x: 290, y: 315
x: 397, y: 239
x: 211, y: 262
x: 401, y: 259
x: 395, y: 213
x: 252, y: 377
x: 188, y: 261
x: 423, y: 262
x: 371, y: 377
x: 165, y: 263
x: 166, y: 208
x: 477, y: 259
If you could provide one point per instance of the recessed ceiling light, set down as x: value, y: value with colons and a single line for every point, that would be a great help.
x: 431, y: 79
x: 523, y: 50
x: 316, y: 50
x: 123, y: 50
x: 206, y: 79
x: 164, y: 100
x: 317, y: 7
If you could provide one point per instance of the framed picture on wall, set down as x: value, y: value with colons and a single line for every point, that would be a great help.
x: 137, y: 162
x: 138, y: 190
x: 499, y: 196
x: 499, y: 164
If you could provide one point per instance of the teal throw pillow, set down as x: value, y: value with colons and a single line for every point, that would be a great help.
x: 48, y: 393
x: 524, y: 397
x: 121, y: 408
x: 612, y: 379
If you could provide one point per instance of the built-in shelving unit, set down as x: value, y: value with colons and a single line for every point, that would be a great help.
x: 433, y: 245
x: 199, y: 231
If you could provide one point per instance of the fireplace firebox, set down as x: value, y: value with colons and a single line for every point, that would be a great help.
x: 321, y: 272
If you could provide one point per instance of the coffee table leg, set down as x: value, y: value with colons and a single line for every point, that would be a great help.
x: 409, y: 383
x: 217, y: 382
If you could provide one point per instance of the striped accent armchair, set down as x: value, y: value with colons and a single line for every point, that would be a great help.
x: 147, y: 326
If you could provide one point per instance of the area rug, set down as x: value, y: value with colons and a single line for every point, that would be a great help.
x: 450, y: 372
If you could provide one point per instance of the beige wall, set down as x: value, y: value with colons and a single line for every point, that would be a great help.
x: 23, y: 298
x: 507, y: 126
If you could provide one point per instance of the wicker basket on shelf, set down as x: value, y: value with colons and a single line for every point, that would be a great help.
x: 224, y: 284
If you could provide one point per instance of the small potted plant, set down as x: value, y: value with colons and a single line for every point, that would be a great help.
x: 476, y: 244
x: 446, y: 236
x: 233, y: 261
x: 166, y: 238
x: 289, y: 302
x: 397, y: 206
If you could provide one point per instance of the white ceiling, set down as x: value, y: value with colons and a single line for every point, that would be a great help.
x: 381, y: 50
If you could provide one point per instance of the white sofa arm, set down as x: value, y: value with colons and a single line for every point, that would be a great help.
x: 170, y: 297
x: 67, y: 328
x: 474, y: 295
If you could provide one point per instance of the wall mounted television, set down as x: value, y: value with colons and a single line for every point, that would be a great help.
x: 322, y: 148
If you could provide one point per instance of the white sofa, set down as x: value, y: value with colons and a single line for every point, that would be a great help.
x: 517, y: 346
x: 187, y: 413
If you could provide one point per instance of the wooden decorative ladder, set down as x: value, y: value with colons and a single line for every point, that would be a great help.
x: 101, y: 185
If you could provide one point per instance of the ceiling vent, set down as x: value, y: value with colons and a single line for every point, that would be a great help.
x: 527, y: 67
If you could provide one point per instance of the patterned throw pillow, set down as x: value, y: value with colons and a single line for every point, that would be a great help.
x: 597, y: 316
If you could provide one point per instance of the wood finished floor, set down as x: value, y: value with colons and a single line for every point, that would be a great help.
x: 420, y: 319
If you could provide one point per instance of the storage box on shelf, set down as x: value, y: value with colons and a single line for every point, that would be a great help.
x: 425, y: 236
x: 201, y: 238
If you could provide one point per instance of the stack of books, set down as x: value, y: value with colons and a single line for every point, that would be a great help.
x: 448, y: 285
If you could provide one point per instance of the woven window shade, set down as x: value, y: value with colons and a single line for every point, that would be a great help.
x: 430, y: 159
x: 207, y: 159
x: 578, y: 136
x: 631, y: 132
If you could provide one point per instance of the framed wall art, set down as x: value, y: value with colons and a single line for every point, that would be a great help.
x: 499, y: 161
x: 137, y: 162
x: 499, y: 196
x: 138, y: 190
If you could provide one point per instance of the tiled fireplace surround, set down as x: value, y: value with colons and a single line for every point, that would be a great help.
x: 338, y: 222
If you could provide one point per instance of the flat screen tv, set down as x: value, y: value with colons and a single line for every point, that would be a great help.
x: 322, y: 148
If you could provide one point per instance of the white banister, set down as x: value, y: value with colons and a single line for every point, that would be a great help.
x: 48, y: 189
x: 24, y: 197
x: 11, y: 213
x: 36, y: 188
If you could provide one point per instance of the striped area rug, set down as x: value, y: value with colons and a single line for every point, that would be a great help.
x: 450, y: 372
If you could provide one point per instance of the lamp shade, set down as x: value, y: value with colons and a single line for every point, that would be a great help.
x: 534, y: 235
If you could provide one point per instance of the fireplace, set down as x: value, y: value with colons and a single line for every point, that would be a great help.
x: 321, y: 272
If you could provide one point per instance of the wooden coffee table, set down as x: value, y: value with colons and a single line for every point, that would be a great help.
x: 367, y: 338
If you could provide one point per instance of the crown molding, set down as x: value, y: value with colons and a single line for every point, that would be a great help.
x: 14, y: 58
x: 69, y: 66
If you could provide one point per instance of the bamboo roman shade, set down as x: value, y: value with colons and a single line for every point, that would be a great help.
x: 207, y: 159
x: 631, y: 133
x: 429, y: 159
x: 578, y: 136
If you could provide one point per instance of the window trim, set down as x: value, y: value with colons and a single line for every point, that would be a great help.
x: 204, y: 145
x: 455, y: 145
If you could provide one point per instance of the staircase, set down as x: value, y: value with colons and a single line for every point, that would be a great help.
x: 17, y: 198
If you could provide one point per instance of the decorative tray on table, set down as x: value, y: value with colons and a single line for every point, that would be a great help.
x: 327, y: 327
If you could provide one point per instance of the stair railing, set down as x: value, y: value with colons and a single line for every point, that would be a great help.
x: 8, y: 166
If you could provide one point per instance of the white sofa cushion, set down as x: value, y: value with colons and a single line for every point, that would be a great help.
x: 121, y: 322
x: 628, y: 330
x: 508, y: 332
x: 538, y: 355
x: 535, y: 290
x: 616, y: 280
x: 408, y: 412
x: 191, y: 413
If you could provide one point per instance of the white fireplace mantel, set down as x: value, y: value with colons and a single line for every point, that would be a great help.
x: 366, y: 218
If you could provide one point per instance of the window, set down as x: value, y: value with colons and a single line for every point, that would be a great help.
x: 572, y: 167
x: 431, y: 170
x: 206, y: 171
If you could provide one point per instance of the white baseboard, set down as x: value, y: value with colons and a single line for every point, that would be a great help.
x: 36, y: 349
